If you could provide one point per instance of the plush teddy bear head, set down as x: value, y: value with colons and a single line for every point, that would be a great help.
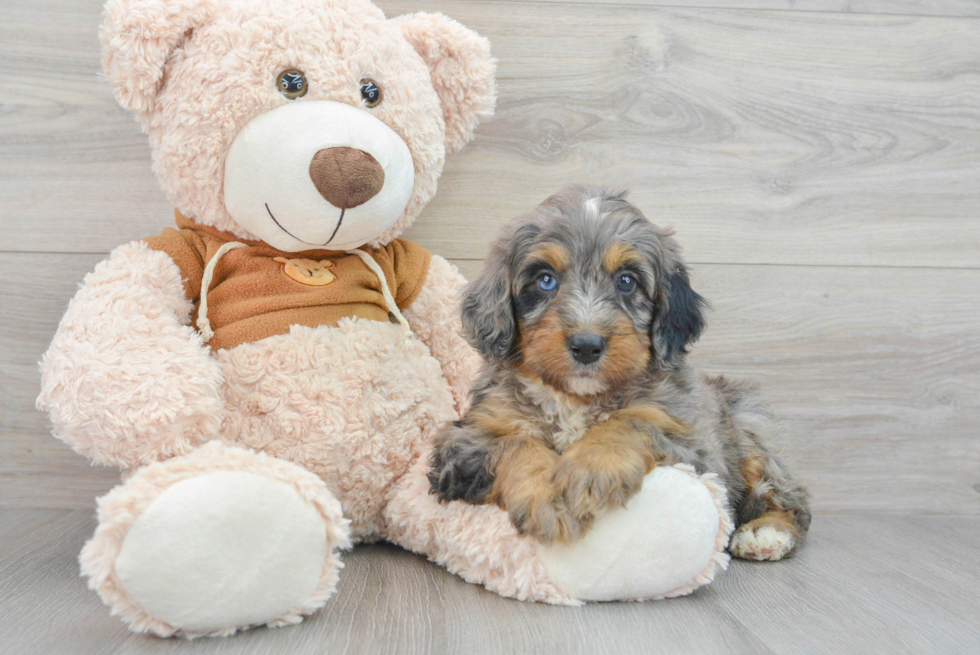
x: 302, y: 123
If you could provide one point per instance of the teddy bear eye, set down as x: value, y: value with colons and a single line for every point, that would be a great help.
x: 292, y: 83
x: 371, y: 93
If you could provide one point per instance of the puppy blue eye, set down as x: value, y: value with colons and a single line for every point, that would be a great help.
x: 626, y: 283
x: 547, y: 282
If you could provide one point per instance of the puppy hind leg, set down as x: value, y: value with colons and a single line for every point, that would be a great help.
x: 774, y: 516
x: 772, y: 511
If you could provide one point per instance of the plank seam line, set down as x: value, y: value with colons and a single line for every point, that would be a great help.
x: 643, y: 5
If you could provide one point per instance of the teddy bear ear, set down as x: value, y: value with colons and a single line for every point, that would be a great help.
x: 138, y: 36
x: 461, y: 67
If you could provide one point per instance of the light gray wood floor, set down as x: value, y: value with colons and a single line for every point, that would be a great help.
x: 820, y: 160
x: 863, y: 584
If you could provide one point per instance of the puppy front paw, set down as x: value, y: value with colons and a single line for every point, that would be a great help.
x: 546, y: 520
x: 458, y: 471
x: 591, y: 480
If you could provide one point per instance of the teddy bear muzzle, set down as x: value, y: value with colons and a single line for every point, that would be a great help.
x: 317, y: 174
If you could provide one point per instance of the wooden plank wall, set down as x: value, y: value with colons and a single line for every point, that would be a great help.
x: 819, y: 160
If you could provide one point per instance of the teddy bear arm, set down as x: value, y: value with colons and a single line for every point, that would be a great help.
x: 668, y: 541
x: 126, y: 381
x: 477, y: 542
x: 434, y: 317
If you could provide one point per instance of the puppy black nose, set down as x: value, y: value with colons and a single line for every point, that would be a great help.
x: 586, y: 347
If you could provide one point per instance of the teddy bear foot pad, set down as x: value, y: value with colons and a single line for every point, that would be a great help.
x: 223, y: 549
x: 216, y: 551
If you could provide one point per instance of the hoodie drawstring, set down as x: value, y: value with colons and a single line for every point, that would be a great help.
x: 385, y: 291
x: 203, y: 324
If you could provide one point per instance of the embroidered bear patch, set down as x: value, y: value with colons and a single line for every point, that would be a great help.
x: 308, y: 271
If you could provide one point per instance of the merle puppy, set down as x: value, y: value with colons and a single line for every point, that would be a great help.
x: 584, y: 313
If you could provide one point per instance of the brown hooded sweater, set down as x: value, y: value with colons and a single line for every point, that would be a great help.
x: 258, y: 291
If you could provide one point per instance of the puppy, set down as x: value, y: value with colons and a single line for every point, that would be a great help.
x: 584, y: 313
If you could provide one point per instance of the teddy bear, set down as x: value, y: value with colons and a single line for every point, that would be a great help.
x: 269, y: 373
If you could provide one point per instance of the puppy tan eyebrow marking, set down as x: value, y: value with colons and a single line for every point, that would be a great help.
x: 619, y: 255
x: 551, y: 254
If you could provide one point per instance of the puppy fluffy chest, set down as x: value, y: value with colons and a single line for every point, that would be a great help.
x: 563, y: 419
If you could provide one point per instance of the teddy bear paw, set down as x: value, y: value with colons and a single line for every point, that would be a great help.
x: 667, y: 541
x: 182, y: 549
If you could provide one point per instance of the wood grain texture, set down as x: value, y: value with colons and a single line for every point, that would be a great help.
x: 36, y: 470
x: 856, y: 587
x: 765, y: 137
x: 876, y: 373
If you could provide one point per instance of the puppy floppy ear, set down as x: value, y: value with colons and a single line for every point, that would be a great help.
x: 462, y: 71
x: 488, y: 309
x: 679, y: 318
x: 138, y: 37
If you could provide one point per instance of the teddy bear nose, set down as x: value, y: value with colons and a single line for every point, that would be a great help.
x: 346, y: 177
